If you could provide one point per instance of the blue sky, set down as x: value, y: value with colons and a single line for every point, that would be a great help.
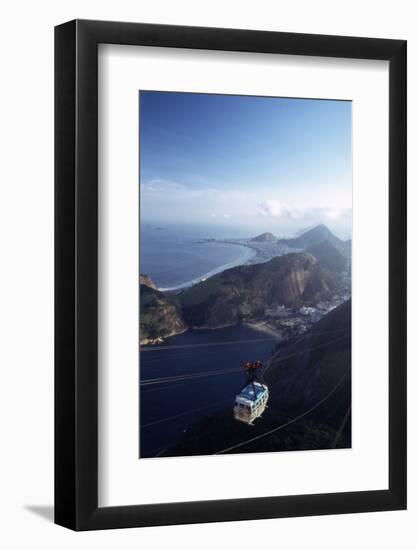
x: 273, y: 163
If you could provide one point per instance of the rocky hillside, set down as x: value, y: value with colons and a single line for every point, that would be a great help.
x: 227, y: 298
x: 160, y: 315
x: 243, y: 292
x: 322, y: 359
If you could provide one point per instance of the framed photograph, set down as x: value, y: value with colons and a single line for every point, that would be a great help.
x: 230, y: 248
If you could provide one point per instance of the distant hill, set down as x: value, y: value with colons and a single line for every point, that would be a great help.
x: 317, y: 235
x: 309, y: 383
x: 304, y: 230
x: 264, y: 238
x: 346, y: 248
x: 328, y: 256
x: 292, y: 280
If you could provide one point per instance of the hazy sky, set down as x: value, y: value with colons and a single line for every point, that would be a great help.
x: 270, y: 163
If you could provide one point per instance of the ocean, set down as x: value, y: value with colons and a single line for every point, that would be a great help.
x: 195, y: 373
x: 175, y: 256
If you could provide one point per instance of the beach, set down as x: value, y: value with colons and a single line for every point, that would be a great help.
x: 178, y: 257
x: 247, y: 255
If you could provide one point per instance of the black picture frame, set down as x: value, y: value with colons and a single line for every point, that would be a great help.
x: 76, y: 271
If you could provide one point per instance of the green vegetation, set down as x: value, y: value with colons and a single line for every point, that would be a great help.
x: 160, y: 314
x: 243, y: 292
x: 234, y: 295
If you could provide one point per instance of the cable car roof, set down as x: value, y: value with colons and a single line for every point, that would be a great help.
x: 248, y: 393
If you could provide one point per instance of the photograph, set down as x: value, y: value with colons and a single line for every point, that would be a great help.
x: 208, y: 238
x: 245, y: 274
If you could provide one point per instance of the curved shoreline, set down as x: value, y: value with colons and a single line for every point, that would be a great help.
x: 216, y: 270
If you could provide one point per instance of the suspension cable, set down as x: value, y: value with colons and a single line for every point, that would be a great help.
x: 285, y: 424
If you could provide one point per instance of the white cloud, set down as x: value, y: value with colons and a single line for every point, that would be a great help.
x: 332, y: 213
x: 272, y: 208
x: 287, y: 207
x: 275, y: 209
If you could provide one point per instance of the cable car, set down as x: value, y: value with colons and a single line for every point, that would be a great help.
x: 252, y: 399
x: 251, y: 402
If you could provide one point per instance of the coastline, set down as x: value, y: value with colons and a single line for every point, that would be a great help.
x: 215, y: 271
x: 259, y: 326
x: 161, y: 339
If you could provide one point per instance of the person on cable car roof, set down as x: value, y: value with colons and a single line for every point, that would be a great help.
x: 254, y: 365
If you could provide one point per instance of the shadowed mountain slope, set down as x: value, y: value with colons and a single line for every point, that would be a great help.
x: 328, y: 256
x: 227, y: 298
x: 309, y: 382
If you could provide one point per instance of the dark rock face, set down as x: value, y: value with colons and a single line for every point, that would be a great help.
x: 264, y: 237
x: 228, y: 298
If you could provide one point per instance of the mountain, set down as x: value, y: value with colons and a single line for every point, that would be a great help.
x: 292, y: 280
x: 160, y: 315
x: 323, y: 358
x: 303, y: 230
x: 309, y: 382
x: 328, y: 256
x: 346, y: 248
x: 318, y: 235
x: 230, y: 297
x: 264, y: 238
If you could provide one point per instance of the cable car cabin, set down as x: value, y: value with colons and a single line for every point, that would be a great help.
x: 250, y: 403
